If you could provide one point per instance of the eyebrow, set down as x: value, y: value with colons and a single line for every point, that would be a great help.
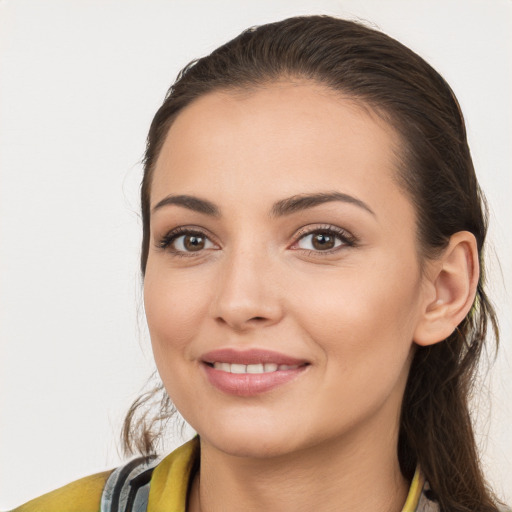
x: 279, y: 209
x: 192, y: 203
x: 304, y: 201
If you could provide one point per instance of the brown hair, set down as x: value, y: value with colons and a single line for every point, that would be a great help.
x: 437, y: 172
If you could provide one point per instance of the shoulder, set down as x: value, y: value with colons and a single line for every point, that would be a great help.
x: 82, y: 495
x: 129, y: 486
x: 149, y: 484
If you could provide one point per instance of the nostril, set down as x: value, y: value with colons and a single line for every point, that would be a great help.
x: 259, y: 318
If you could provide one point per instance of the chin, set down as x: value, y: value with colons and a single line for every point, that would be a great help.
x: 254, y: 442
x: 253, y: 448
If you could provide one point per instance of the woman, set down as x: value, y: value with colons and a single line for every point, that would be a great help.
x: 313, y: 284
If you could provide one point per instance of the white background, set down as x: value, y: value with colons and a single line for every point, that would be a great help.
x: 79, y: 84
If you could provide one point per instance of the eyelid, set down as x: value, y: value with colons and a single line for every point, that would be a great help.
x: 347, y: 238
x: 164, y: 242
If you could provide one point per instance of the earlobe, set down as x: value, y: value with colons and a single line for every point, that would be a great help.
x: 454, y: 281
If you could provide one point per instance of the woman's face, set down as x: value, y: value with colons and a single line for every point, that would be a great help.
x: 282, y: 288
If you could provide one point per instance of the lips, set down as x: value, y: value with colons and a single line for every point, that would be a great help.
x: 250, y: 372
x: 248, y: 357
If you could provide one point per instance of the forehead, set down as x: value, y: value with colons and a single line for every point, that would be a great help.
x: 295, y: 136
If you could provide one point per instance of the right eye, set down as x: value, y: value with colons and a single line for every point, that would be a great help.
x: 186, y: 241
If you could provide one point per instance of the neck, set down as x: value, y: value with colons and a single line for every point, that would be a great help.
x: 340, y: 475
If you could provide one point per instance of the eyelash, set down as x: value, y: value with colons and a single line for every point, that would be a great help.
x: 166, y: 241
x: 346, y: 238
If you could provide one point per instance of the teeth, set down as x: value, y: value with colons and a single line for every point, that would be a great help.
x: 253, y: 368
x: 225, y: 367
x: 238, y: 368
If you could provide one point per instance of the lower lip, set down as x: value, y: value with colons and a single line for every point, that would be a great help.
x: 250, y: 384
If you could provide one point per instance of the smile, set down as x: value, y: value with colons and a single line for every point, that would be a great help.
x: 246, y: 373
x: 253, y: 368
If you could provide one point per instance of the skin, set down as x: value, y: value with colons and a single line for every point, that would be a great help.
x: 352, y: 312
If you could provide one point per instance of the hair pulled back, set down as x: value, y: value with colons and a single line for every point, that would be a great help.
x: 436, y: 171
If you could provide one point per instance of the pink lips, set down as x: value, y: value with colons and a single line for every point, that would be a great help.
x: 250, y: 384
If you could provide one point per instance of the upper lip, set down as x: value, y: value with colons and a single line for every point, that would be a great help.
x: 251, y: 356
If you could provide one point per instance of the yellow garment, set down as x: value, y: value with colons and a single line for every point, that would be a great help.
x: 168, y: 491
x: 83, y: 495
x: 171, y: 478
x: 413, y: 498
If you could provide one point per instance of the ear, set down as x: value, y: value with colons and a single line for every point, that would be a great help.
x: 452, y: 279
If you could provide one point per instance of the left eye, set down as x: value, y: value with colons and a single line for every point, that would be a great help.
x: 320, y: 241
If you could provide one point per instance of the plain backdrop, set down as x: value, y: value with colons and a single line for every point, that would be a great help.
x: 79, y: 84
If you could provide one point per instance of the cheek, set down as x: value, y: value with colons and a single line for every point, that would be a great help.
x: 363, y: 320
x: 174, y: 307
x: 365, y: 334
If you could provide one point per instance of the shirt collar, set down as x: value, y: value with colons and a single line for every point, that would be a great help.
x: 419, y: 498
x: 171, y: 479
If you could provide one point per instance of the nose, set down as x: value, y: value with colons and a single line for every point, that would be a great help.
x: 247, y: 294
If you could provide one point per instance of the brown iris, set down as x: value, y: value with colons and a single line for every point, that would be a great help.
x: 323, y: 241
x: 193, y: 242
